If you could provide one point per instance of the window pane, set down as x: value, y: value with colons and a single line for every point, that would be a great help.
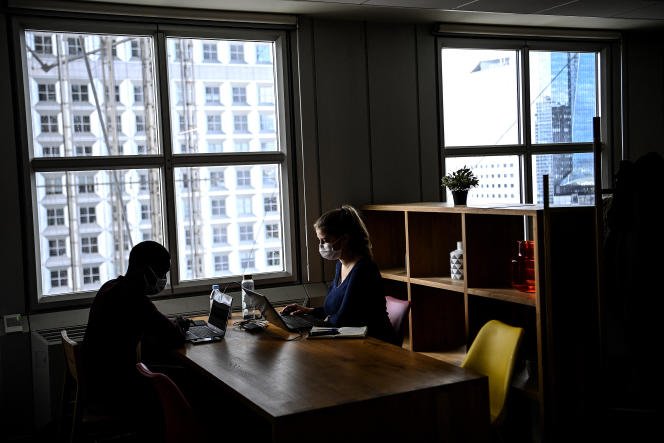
x: 498, y: 175
x: 100, y: 215
x: 231, y: 220
x: 481, y: 97
x: 76, y: 100
x: 199, y: 88
x: 563, y: 95
x: 571, y: 178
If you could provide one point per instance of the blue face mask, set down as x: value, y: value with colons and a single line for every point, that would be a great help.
x: 156, y: 287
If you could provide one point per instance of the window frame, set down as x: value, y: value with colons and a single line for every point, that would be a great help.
x: 167, y: 160
x: 526, y: 149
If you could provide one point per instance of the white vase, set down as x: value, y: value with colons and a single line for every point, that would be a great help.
x: 456, y: 262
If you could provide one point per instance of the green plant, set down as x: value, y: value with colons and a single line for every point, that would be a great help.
x: 460, y: 180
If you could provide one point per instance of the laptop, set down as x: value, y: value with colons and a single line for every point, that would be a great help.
x: 292, y: 323
x: 214, y: 329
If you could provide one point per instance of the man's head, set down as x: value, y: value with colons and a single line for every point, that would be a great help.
x: 151, y: 261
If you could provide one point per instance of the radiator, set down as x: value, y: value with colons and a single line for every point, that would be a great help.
x: 48, y: 372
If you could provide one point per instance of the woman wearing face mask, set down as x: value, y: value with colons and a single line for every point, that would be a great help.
x: 121, y: 316
x: 355, y: 297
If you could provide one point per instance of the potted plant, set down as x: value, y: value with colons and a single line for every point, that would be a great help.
x: 459, y: 183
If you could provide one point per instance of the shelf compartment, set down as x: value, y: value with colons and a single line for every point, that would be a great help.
x: 506, y: 294
x: 397, y: 274
x: 439, y: 282
x: 431, y: 237
x: 388, y: 236
x: 438, y: 319
x: 491, y: 242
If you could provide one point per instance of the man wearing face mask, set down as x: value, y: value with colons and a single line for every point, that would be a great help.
x: 355, y: 297
x: 121, y: 316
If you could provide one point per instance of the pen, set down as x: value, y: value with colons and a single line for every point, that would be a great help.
x: 331, y: 331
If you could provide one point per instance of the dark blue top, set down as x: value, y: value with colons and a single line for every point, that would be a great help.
x: 358, y: 301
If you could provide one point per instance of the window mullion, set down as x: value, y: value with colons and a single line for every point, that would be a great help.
x: 526, y: 159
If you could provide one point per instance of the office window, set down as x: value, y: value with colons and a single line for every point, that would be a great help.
x: 89, y: 245
x: 221, y: 263
x: 75, y: 45
x: 53, y: 185
x: 214, y: 124
x: 239, y: 95
x: 145, y: 211
x: 485, y: 83
x: 140, y: 123
x: 240, y: 123
x: 138, y: 94
x: 87, y: 214
x: 187, y: 236
x: 265, y: 94
x: 220, y: 235
x: 43, y: 44
x: 79, y: 93
x: 241, y: 145
x: 217, y: 179
x: 57, y: 247
x: 91, y: 275
x: 51, y: 151
x: 124, y: 203
x: 243, y: 178
x: 210, y: 52
x: 81, y: 123
x: 269, y: 177
x: 267, y: 122
x: 270, y: 204
x: 46, y: 92
x: 218, y: 207
x: 247, y: 261
x: 212, y: 95
x: 268, y: 145
x: 55, y: 217
x: 244, y: 205
x: 263, y: 53
x: 237, y: 52
x: 273, y: 258
x: 49, y: 123
x: 246, y: 232
x: 59, y: 278
x: 271, y: 231
x: 86, y: 184
x: 135, y: 49
x: 83, y: 150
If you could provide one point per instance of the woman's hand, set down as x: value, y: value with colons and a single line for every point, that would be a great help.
x: 295, y: 309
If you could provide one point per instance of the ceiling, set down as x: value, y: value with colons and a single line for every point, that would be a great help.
x: 595, y: 14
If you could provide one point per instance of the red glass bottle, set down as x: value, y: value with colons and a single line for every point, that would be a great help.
x: 523, y: 266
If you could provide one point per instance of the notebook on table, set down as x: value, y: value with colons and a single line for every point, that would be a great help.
x: 292, y: 323
x: 212, y: 330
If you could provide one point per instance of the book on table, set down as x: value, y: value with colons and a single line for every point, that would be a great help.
x: 342, y: 332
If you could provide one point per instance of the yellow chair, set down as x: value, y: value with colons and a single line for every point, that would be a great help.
x: 492, y: 353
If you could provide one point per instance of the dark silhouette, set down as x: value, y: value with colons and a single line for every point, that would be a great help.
x: 122, y: 316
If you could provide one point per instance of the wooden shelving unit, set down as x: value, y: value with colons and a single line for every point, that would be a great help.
x: 411, y: 244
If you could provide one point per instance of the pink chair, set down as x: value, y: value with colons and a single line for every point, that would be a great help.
x: 397, y: 311
x: 180, y: 424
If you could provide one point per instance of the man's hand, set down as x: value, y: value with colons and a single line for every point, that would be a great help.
x: 295, y: 309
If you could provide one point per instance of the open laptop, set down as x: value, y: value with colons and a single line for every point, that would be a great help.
x: 212, y: 330
x: 293, y: 323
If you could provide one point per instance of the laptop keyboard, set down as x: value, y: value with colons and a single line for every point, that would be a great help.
x: 296, y: 322
x: 201, y: 332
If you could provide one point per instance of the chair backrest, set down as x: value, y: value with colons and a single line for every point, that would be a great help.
x: 179, y: 419
x: 492, y: 353
x: 397, y: 311
x: 72, y: 355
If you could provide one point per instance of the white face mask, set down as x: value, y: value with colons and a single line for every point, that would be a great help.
x: 328, y: 252
x: 158, y: 285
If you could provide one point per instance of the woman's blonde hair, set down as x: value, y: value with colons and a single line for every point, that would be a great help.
x: 346, y: 220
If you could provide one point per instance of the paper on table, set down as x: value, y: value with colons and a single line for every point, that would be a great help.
x: 343, y: 332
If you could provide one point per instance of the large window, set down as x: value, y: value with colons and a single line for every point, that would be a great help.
x: 83, y: 92
x: 516, y: 111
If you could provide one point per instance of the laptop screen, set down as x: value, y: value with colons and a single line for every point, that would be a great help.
x: 219, y: 313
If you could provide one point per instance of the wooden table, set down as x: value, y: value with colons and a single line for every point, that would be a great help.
x: 343, y: 390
